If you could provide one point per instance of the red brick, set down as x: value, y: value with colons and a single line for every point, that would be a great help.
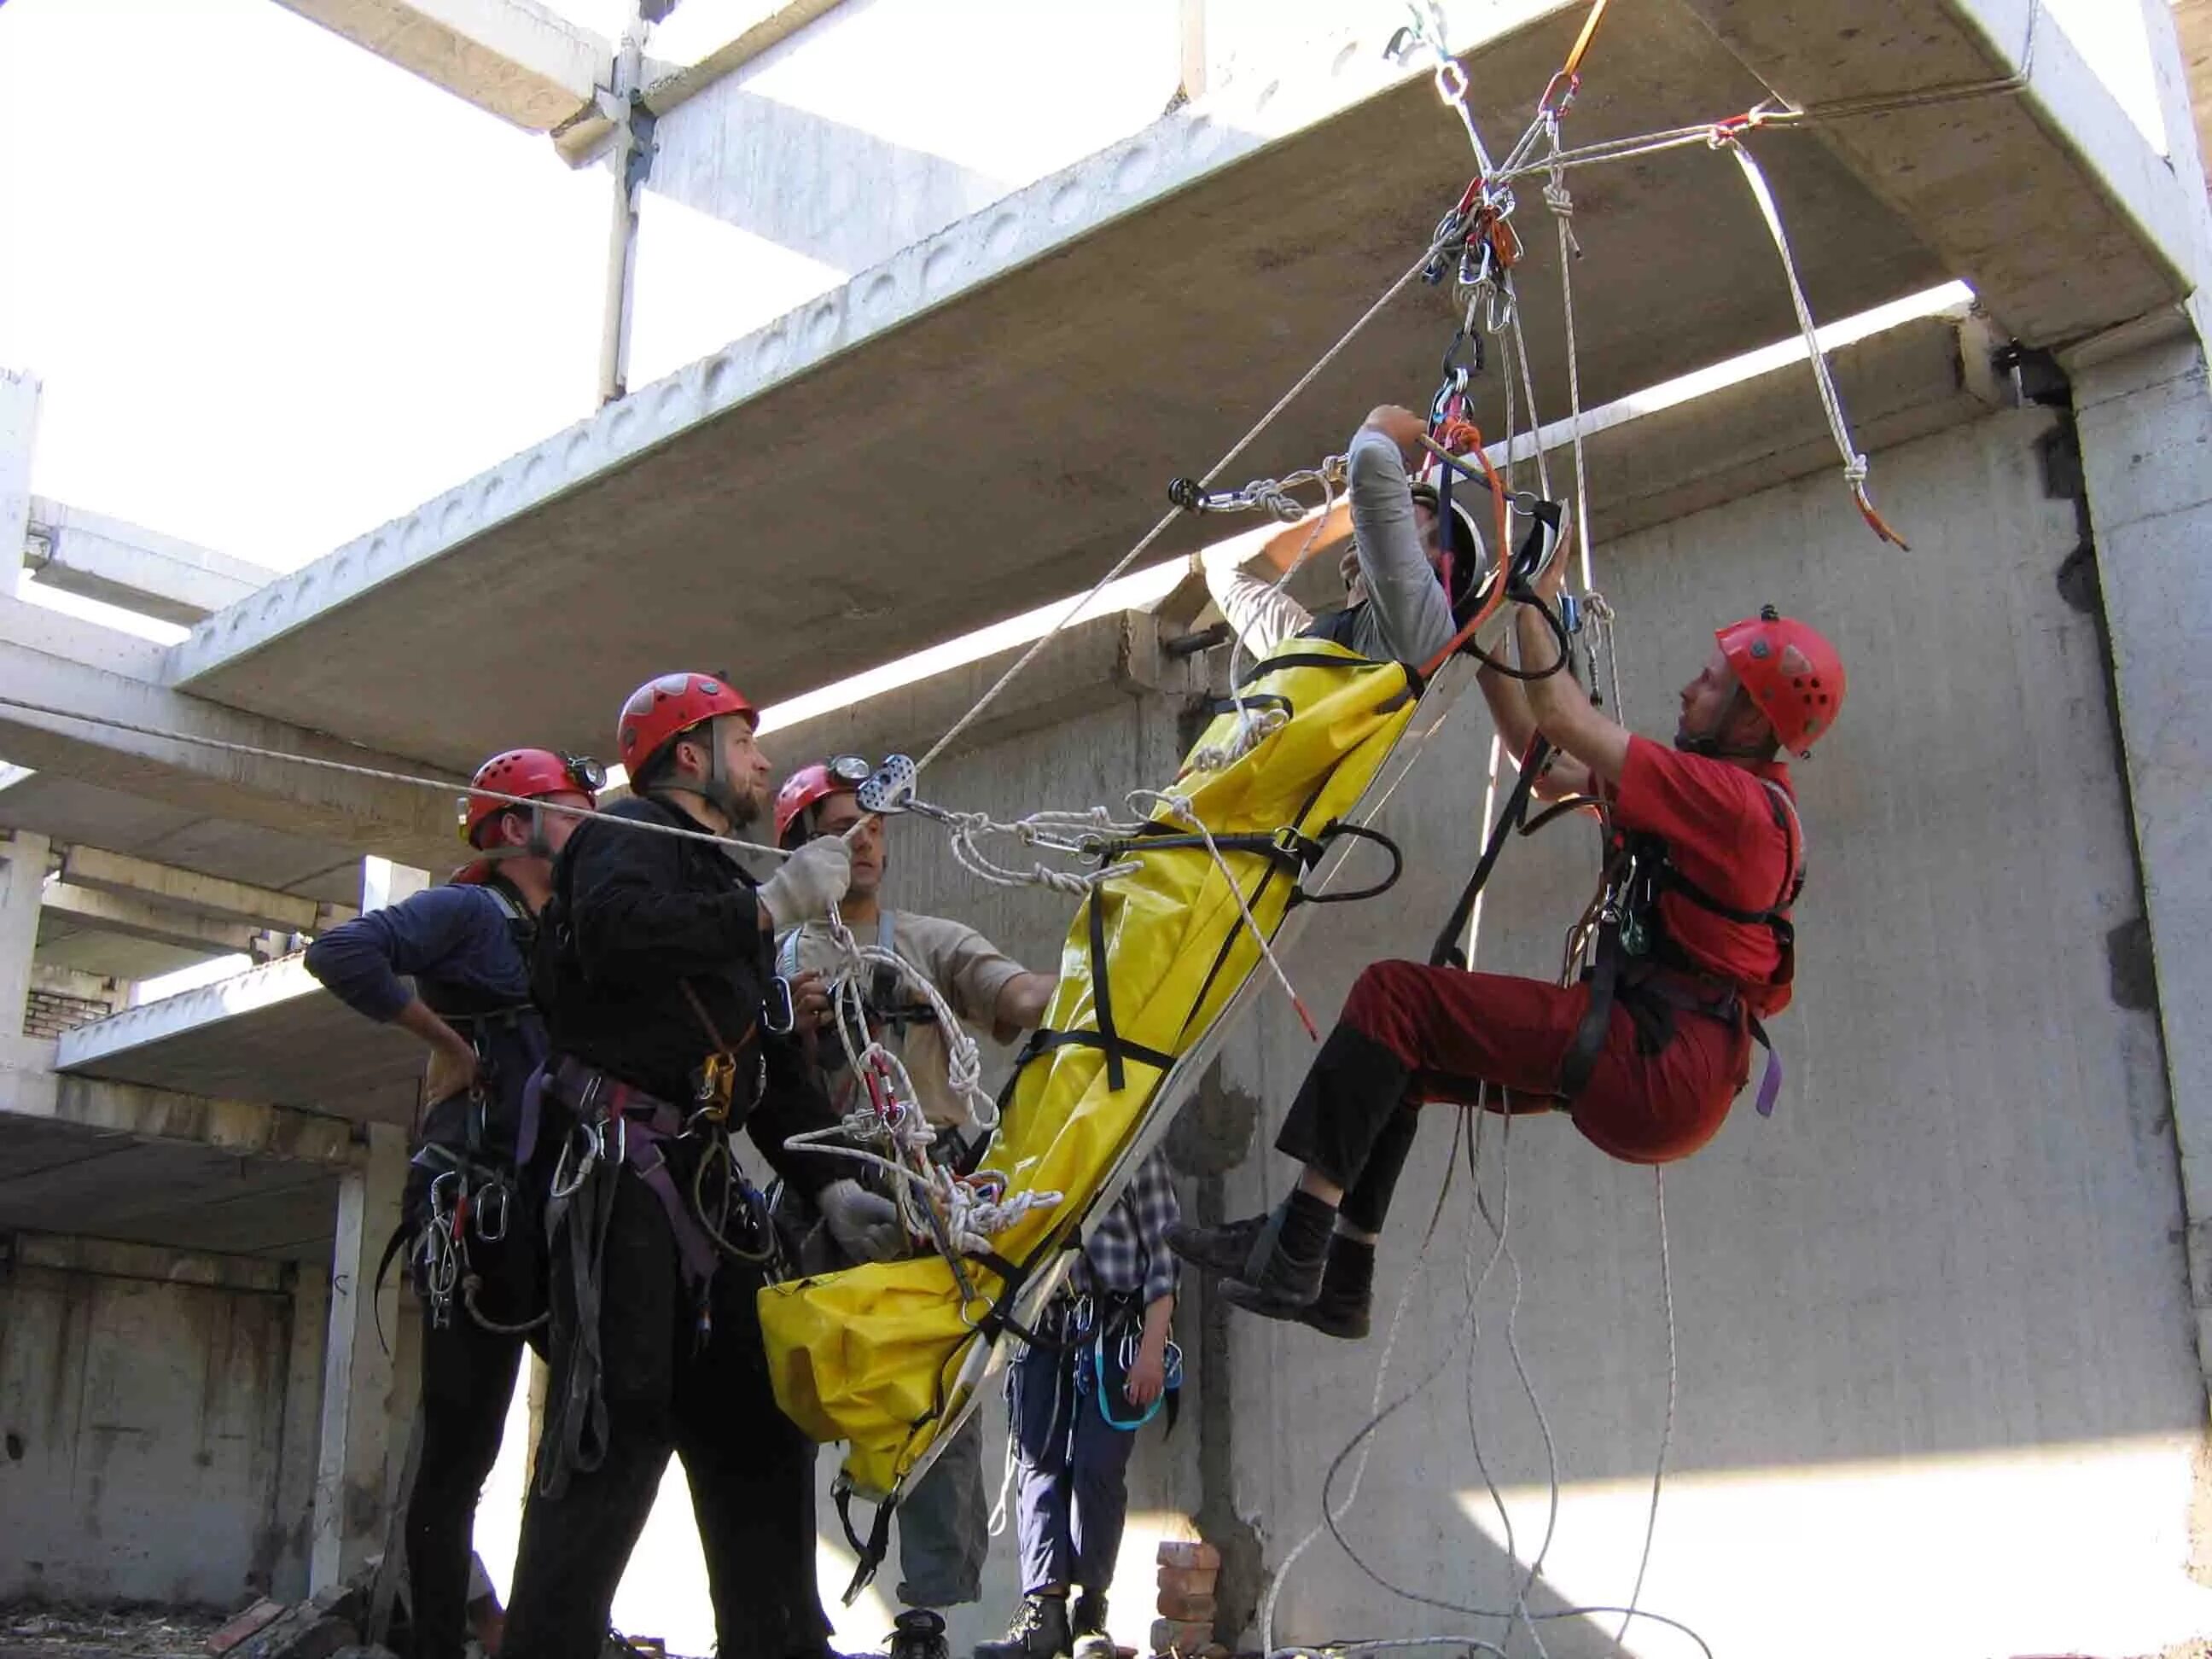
x: 257, y: 1618
x: 1188, y: 1609
x: 1187, y: 1581
x: 1170, y: 1636
x: 1189, y: 1553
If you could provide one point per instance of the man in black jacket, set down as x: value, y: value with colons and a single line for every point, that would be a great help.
x: 669, y: 1032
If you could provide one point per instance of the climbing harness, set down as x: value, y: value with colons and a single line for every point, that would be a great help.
x: 614, y: 1128
x: 1633, y: 960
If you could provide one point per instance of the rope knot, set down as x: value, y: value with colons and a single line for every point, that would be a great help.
x: 1855, y: 471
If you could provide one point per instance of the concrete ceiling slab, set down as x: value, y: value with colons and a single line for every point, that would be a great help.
x: 989, y: 419
x: 65, y: 942
x: 71, y: 811
x: 60, y: 1178
x: 270, y: 1035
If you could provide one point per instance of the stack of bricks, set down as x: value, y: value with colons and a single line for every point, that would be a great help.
x: 1188, y: 1570
x: 51, y: 1013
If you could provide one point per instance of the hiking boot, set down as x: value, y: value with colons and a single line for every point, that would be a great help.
x: 1345, y: 1308
x: 1039, y: 1631
x: 1095, y: 1644
x: 1086, y: 1615
x: 919, y: 1633
x: 1226, y: 1250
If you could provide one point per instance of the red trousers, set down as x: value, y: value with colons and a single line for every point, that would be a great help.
x: 1410, y: 1033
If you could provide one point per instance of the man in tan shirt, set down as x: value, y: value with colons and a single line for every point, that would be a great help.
x: 942, y: 1523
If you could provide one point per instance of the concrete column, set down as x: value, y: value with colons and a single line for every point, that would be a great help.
x: 293, y: 1500
x: 2146, y: 430
x: 18, y: 426
x: 358, y: 1430
x: 22, y: 877
x: 383, y: 882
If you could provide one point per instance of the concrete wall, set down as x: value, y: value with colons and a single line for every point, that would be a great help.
x: 1933, y: 1335
x: 1936, y: 1377
x: 145, y: 1396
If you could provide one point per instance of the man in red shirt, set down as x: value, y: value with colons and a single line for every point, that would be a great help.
x: 1647, y: 1072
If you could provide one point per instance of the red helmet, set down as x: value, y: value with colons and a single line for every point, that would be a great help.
x: 809, y: 784
x: 665, y: 707
x: 529, y: 772
x: 1790, y: 672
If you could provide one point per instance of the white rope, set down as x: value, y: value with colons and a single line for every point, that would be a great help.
x: 1161, y: 528
x: 1077, y: 835
x: 347, y: 768
x: 1854, y: 460
x: 1254, y: 728
x: 1666, y: 1430
x: 1557, y: 197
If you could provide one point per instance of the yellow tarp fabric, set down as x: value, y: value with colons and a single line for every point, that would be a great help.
x: 869, y: 1356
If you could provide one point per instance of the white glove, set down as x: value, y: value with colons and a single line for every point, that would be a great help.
x: 866, y: 1225
x: 812, y: 880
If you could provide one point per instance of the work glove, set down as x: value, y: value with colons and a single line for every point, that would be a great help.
x: 812, y: 880
x: 866, y: 1225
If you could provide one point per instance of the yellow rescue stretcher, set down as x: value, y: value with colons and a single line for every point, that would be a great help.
x: 886, y: 1358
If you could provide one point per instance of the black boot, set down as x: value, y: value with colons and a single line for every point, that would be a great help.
x: 1039, y: 1631
x: 1284, y: 1272
x: 1346, y: 1306
x: 1226, y: 1250
x: 1087, y: 1618
x: 919, y: 1633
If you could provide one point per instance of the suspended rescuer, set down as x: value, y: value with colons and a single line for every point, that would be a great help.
x: 1403, y: 582
x: 1075, y: 1401
x: 944, y: 1525
x: 1646, y: 1053
x: 472, y: 1206
x: 669, y: 1033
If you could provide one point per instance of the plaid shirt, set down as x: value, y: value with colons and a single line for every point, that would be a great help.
x: 1127, y: 1253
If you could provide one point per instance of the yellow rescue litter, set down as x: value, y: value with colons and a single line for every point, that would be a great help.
x: 885, y: 1357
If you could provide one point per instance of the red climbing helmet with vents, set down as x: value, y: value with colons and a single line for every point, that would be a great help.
x: 1790, y: 672
x: 810, y: 784
x: 668, y: 705
x: 529, y: 772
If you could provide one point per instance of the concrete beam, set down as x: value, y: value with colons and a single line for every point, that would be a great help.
x: 22, y: 883
x: 141, y: 570
x: 2192, y: 23
x: 584, y: 137
x: 58, y: 661
x: 109, y: 1258
x: 95, y: 870
x: 516, y: 59
x: 1047, y: 410
x: 270, y: 1033
x: 1093, y: 665
x: 69, y: 982
x: 30, y: 1087
x: 19, y: 429
x: 2060, y: 154
x: 111, y: 913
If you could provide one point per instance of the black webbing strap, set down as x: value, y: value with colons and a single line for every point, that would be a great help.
x: 1267, y: 665
x: 868, y: 1551
x: 1447, y: 951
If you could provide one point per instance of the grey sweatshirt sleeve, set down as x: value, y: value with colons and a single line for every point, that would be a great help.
x: 1406, y: 603
x: 1262, y: 617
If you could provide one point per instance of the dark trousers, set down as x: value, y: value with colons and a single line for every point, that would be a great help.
x: 1070, y: 1472
x: 468, y: 1382
x: 1410, y: 1033
x: 704, y: 1396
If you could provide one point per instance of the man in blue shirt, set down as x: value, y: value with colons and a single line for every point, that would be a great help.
x: 477, y: 1254
x: 1073, y: 1411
